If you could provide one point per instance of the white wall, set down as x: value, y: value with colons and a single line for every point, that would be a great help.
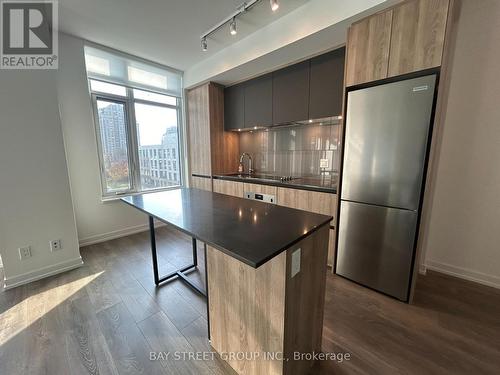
x: 96, y: 221
x: 464, y: 235
x: 35, y: 201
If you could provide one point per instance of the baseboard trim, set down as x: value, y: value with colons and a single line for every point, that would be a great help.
x: 41, y: 273
x: 422, y: 269
x: 463, y: 273
x: 103, y: 237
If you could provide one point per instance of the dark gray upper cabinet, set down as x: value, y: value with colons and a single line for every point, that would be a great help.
x: 259, y: 101
x: 308, y: 90
x: 291, y: 93
x: 234, y: 107
x: 327, y: 81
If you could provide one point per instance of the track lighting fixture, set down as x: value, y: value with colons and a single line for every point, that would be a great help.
x: 274, y: 5
x: 244, y: 7
x: 232, y: 26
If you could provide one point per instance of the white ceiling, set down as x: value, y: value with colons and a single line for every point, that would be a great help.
x: 165, y: 31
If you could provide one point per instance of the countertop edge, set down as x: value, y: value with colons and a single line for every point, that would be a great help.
x: 278, y: 184
x: 229, y: 252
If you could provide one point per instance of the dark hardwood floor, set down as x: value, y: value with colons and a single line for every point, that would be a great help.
x: 107, y: 316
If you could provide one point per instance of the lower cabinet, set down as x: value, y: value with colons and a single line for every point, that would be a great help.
x: 313, y: 201
x: 259, y: 189
x: 202, y: 183
x: 331, y: 249
x: 228, y: 187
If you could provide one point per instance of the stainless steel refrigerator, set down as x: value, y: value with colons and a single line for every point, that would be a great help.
x: 386, y: 140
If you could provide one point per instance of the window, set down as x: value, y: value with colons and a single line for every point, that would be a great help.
x: 138, y: 117
x: 113, y: 135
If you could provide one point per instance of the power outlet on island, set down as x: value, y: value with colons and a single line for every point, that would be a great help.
x: 295, y: 262
x: 55, y: 245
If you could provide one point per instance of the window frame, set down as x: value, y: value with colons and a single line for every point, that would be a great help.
x: 129, y: 102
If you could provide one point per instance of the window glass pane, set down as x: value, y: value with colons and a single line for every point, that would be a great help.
x: 114, y: 145
x: 153, y: 97
x: 156, y: 134
x: 108, y: 88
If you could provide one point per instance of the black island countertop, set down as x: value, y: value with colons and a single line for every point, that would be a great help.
x: 250, y: 231
x: 325, y: 184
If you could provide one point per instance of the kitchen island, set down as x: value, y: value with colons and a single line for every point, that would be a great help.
x: 265, y: 274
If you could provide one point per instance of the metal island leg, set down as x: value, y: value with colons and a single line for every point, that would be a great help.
x: 180, y: 273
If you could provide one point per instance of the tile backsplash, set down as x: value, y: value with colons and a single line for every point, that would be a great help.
x: 295, y: 151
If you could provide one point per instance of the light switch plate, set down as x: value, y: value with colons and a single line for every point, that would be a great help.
x: 323, y: 163
x: 296, y: 262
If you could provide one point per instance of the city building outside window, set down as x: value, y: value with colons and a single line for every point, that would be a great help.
x: 138, y: 123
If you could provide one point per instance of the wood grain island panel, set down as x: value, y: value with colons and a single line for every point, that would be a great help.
x: 266, y: 310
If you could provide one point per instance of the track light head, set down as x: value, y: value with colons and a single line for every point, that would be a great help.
x: 204, y: 44
x: 274, y: 5
x: 232, y: 26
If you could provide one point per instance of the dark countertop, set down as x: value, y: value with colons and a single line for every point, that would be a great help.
x: 326, y: 184
x: 250, y: 231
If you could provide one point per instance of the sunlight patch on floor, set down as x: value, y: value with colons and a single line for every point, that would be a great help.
x: 25, y: 313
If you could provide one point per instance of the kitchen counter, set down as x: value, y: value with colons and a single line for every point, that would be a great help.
x: 250, y: 231
x: 265, y: 274
x: 325, y: 184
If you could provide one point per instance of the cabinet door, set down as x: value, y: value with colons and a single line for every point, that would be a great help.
x: 234, y: 107
x: 313, y: 201
x: 259, y: 189
x: 259, y: 101
x: 331, y: 248
x: 199, y: 130
x: 368, y: 49
x: 327, y: 83
x: 202, y: 183
x: 228, y: 187
x: 417, y: 36
x: 291, y: 93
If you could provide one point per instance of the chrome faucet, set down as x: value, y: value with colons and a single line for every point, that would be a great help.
x: 250, y: 169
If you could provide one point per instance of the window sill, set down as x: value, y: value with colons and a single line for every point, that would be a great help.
x: 114, y: 198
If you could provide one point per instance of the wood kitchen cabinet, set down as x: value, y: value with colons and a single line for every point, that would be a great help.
x: 291, y: 93
x: 211, y: 150
x: 368, y: 43
x: 259, y: 189
x: 259, y: 101
x: 233, y: 188
x: 417, y: 36
x: 407, y: 38
x: 199, y: 130
x: 327, y: 84
x: 202, y: 183
x: 331, y: 248
x: 313, y: 201
x: 234, y: 107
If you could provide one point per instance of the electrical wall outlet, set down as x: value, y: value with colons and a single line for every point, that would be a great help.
x: 55, y: 245
x: 24, y: 252
x: 323, y: 163
x: 295, y: 262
